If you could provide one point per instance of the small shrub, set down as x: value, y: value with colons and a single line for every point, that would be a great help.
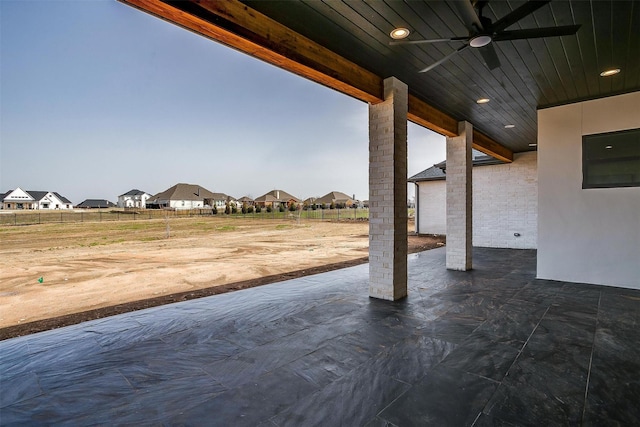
x: 249, y: 209
x: 234, y: 210
x: 258, y: 209
x: 214, y: 211
x: 227, y: 209
x: 269, y: 209
x: 292, y: 207
x: 281, y: 208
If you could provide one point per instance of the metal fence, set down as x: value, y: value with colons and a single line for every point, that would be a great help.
x: 102, y: 215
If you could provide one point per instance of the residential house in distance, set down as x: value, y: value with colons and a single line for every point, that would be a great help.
x: 186, y: 196
x: 309, y: 202
x: 505, y: 201
x: 19, y: 199
x: 133, y: 199
x: 275, y: 198
x: 220, y: 200
x: 246, y: 200
x: 96, y: 204
x: 335, y: 198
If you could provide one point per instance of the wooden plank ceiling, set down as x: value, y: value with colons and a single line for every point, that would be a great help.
x: 345, y: 45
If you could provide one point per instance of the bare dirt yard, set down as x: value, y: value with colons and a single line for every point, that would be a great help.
x: 59, y: 274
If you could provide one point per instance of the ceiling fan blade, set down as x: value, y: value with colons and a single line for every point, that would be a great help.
x: 468, y: 15
x: 536, y: 33
x: 451, y: 39
x: 490, y: 56
x: 446, y: 58
x: 524, y: 10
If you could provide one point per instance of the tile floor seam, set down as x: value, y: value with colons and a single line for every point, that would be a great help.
x: 483, y: 377
x: 516, y: 359
x: 593, y: 347
x: 526, y: 342
x: 476, y: 420
x: 392, y: 402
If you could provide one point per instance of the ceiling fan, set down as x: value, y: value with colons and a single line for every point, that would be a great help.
x: 482, y: 31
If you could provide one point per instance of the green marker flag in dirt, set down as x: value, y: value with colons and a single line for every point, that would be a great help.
x: 41, y: 279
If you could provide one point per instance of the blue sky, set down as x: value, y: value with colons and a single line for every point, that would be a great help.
x: 98, y: 98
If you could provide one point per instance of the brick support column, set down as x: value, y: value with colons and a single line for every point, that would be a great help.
x: 459, y: 199
x: 388, y: 193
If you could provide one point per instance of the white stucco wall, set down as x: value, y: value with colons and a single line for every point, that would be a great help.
x: 585, y: 235
x: 133, y: 201
x: 505, y: 202
x: 186, y: 204
x: 432, y: 207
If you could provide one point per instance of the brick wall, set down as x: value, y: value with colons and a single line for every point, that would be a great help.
x: 458, y: 200
x: 388, y: 193
x: 505, y: 201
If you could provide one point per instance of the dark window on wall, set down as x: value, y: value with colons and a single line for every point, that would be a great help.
x: 611, y: 159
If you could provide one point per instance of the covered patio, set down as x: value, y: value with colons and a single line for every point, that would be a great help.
x: 493, y: 346
x: 466, y: 336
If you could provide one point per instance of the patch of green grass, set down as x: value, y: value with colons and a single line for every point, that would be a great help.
x: 226, y: 228
x: 283, y: 226
x: 110, y: 242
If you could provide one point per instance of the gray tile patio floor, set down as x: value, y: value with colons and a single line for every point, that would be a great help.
x: 493, y: 346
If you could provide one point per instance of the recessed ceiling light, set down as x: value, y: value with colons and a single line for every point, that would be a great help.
x: 483, y: 100
x: 533, y: 144
x: 609, y: 147
x: 611, y: 72
x: 399, y: 33
x: 509, y: 126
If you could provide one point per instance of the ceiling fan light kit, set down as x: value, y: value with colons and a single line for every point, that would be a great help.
x: 483, y: 31
x: 480, y: 41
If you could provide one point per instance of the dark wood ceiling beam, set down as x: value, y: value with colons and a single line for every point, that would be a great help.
x: 430, y: 117
x: 488, y: 146
x: 236, y: 25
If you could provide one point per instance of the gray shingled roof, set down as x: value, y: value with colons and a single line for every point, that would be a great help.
x: 39, y: 195
x: 437, y: 171
x: 277, y: 196
x: 221, y: 196
x: 183, y: 192
x: 96, y: 203
x: 334, y: 196
x: 434, y: 173
x: 62, y: 198
x: 134, y: 192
